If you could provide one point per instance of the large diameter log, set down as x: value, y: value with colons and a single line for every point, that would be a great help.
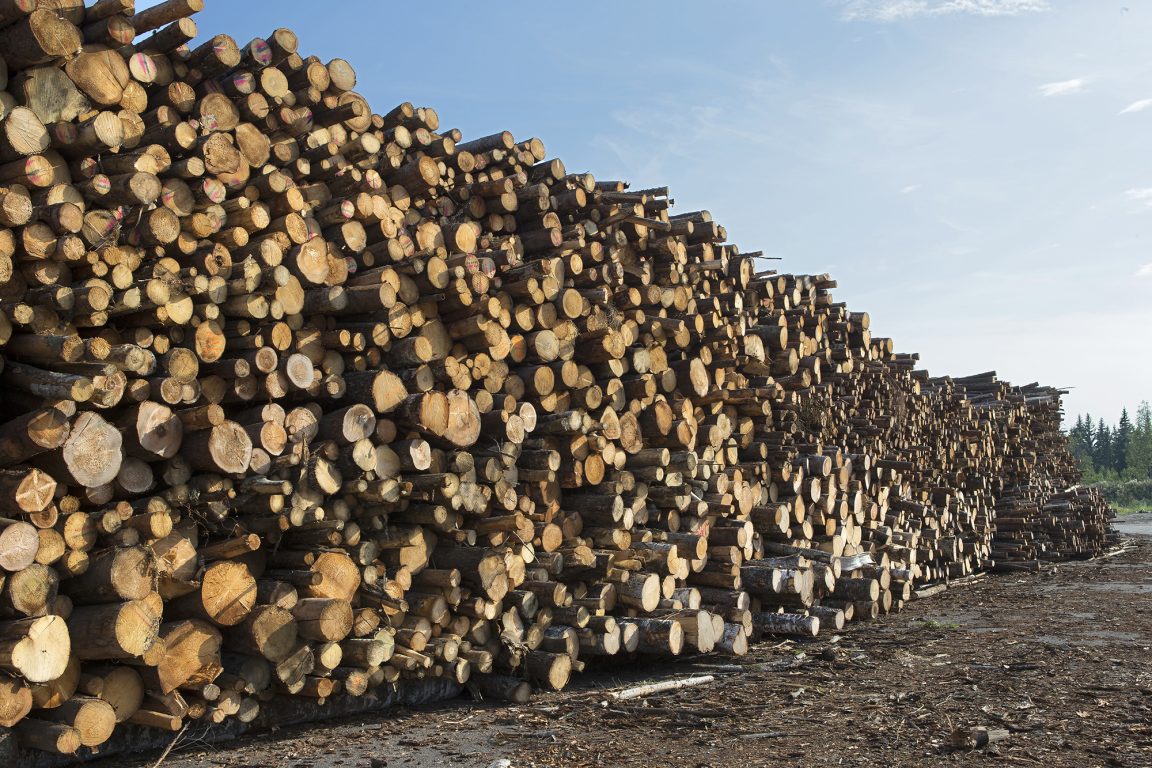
x: 658, y: 636
x: 483, y: 568
x: 323, y: 619
x: 101, y: 74
x: 114, y: 575
x: 92, y: 453
x: 155, y: 430
x: 268, y: 631
x: 14, y: 10
x: 339, y: 576
x: 642, y: 590
x: 463, y: 427
x: 114, y: 631
x: 19, y: 543
x: 830, y: 618
x: 121, y: 687
x: 857, y: 589
x: 226, y: 595
x: 383, y: 390
x: 38, y: 38
x: 224, y: 448
x: 35, y: 649
x: 191, y: 654
x: 30, y: 591
x: 56, y: 692
x: 551, y: 670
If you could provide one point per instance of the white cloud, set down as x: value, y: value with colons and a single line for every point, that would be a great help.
x: 897, y: 10
x: 1063, y: 88
x: 909, y: 189
x: 1136, y: 106
x: 1140, y: 194
x: 1144, y: 271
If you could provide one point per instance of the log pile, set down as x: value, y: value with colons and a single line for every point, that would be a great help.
x: 303, y: 400
x: 1042, y: 514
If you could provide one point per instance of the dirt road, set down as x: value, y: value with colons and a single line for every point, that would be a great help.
x: 1061, y: 660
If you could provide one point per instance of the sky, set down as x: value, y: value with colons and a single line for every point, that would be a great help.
x: 976, y: 174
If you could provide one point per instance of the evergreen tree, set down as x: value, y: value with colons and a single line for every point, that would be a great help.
x: 1102, y: 455
x: 1139, y: 458
x: 1121, y: 438
x: 1080, y: 438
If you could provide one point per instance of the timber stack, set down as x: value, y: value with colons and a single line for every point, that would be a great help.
x: 1042, y: 514
x: 302, y: 399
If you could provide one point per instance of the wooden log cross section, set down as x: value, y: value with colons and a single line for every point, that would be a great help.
x: 304, y: 399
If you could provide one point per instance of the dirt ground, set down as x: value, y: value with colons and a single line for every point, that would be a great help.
x: 1060, y: 661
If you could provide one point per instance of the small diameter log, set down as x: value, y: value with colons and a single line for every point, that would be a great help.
x: 734, y: 640
x: 500, y: 688
x: 94, y: 719
x: 28, y: 490
x: 31, y: 434
x: 165, y: 13
x: 640, y: 691
x: 786, y: 624
x: 15, y: 700
x: 55, y: 738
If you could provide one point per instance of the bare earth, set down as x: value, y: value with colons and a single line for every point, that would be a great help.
x: 1061, y: 660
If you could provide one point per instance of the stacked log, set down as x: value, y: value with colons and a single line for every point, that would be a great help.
x: 305, y: 400
x: 1042, y: 514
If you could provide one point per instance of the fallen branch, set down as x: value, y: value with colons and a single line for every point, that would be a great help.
x: 653, y: 688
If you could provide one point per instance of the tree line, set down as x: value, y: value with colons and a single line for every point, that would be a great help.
x: 1122, y: 451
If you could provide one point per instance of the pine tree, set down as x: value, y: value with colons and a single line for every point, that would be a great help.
x: 1080, y: 438
x: 1102, y: 455
x: 1139, y: 458
x: 1121, y: 438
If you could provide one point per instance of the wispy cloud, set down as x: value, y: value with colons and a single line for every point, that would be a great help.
x: 898, y: 10
x: 1140, y: 194
x: 909, y: 189
x: 1063, y: 88
x: 1144, y: 271
x: 1136, y: 106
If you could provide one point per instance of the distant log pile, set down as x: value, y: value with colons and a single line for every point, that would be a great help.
x: 303, y: 400
x: 1041, y: 512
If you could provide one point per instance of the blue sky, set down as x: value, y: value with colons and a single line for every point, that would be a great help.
x: 977, y: 174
